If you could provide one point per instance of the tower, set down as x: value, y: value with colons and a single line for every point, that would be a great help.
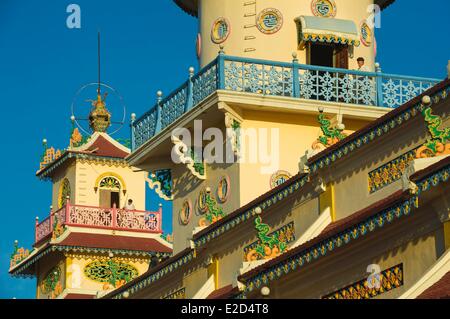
x: 98, y: 235
x: 320, y: 32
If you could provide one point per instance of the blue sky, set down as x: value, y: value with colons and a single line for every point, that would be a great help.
x: 147, y: 45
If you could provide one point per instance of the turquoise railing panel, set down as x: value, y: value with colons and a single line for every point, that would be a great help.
x: 278, y: 79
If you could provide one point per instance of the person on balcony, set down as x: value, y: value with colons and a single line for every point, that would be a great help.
x: 361, y: 65
x: 129, y: 205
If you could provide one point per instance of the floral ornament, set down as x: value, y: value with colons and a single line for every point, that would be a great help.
x: 269, y: 246
x: 161, y: 182
x: 330, y: 135
x: 438, y: 144
x: 189, y: 157
x: 58, y: 228
x: 214, y: 212
x: 18, y: 255
x: 77, y: 139
x: 112, y: 273
x: 51, y: 285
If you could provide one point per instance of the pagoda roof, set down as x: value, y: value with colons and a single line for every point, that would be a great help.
x: 94, y: 243
x: 191, y: 6
x: 100, y: 146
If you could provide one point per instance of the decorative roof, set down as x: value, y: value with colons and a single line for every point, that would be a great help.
x: 116, y: 242
x: 440, y: 290
x: 342, y: 232
x: 319, y: 29
x: 100, y: 147
x: 25, y: 268
x: 378, y: 127
x: 191, y: 6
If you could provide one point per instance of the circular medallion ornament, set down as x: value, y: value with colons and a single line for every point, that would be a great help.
x: 366, y: 34
x: 269, y: 21
x: 324, y: 8
x: 201, y: 201
x: 186, y: 212
x: 220, y: 30
x: 279, y: 178
x: 223, y: 189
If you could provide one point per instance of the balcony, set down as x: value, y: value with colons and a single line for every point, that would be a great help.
x: 100, y: 218
x: 272, y: 78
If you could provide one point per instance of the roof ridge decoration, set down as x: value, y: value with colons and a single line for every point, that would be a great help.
x: 304, y: 256
x: 190, y: 158
x: 269, y: 246
x: 378, y: 128
x: 161, y: 182
x: 18, y: 255
x: 214, y: 211
x: 330, y: 135
x: 438, y: 144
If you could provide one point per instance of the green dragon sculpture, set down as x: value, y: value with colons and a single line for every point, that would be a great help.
x: 215, y: 212
x: 328, y: 132
x: 434, y: 127
x: 266, y: 240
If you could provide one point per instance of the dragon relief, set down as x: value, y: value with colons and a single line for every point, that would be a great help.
x: 214, y: 211
x: 269, y: 246
x: 330, y: 135
x: 438, y: 144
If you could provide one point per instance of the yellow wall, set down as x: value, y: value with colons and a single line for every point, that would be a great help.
x: 83, y: 175
x: 278, y: 46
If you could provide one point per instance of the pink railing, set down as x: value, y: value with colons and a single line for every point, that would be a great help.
x: 97, y: 217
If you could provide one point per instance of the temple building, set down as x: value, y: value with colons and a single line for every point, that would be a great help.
x: 90, y: 244
x: 296, y: 167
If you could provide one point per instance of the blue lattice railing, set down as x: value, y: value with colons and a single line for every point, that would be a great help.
x: 278, y: 79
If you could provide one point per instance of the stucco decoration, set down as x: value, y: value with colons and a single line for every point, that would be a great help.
x: 214, y: 212
x: 324, y: 8
x: 279, y: 177
x: 385, y: 281
x: 233, y: 129
x: 366, y: 34
x: 220, y: 30
x: 188, y: 157
x: 224, y: 189
x: 186, y: 212
x: 110, y: 180
x: 161, y: 182
x: 111, y: 272
x: 330, y: 135
x: 438, y: 144
x: 64, y: 192
x: 269, y: 21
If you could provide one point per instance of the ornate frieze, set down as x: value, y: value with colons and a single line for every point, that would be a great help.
x: 383, y: 282
x: 390, y: 172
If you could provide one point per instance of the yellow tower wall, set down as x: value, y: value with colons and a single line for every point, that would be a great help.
x: 280, y: 45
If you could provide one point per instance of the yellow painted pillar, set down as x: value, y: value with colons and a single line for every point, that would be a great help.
x: 327, y: 200
x: 447, y: 234
x: 213, y: 270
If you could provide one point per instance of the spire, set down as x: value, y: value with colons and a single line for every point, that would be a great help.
x: 99, y: 117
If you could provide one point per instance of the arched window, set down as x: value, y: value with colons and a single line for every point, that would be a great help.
x: 109, y: 192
